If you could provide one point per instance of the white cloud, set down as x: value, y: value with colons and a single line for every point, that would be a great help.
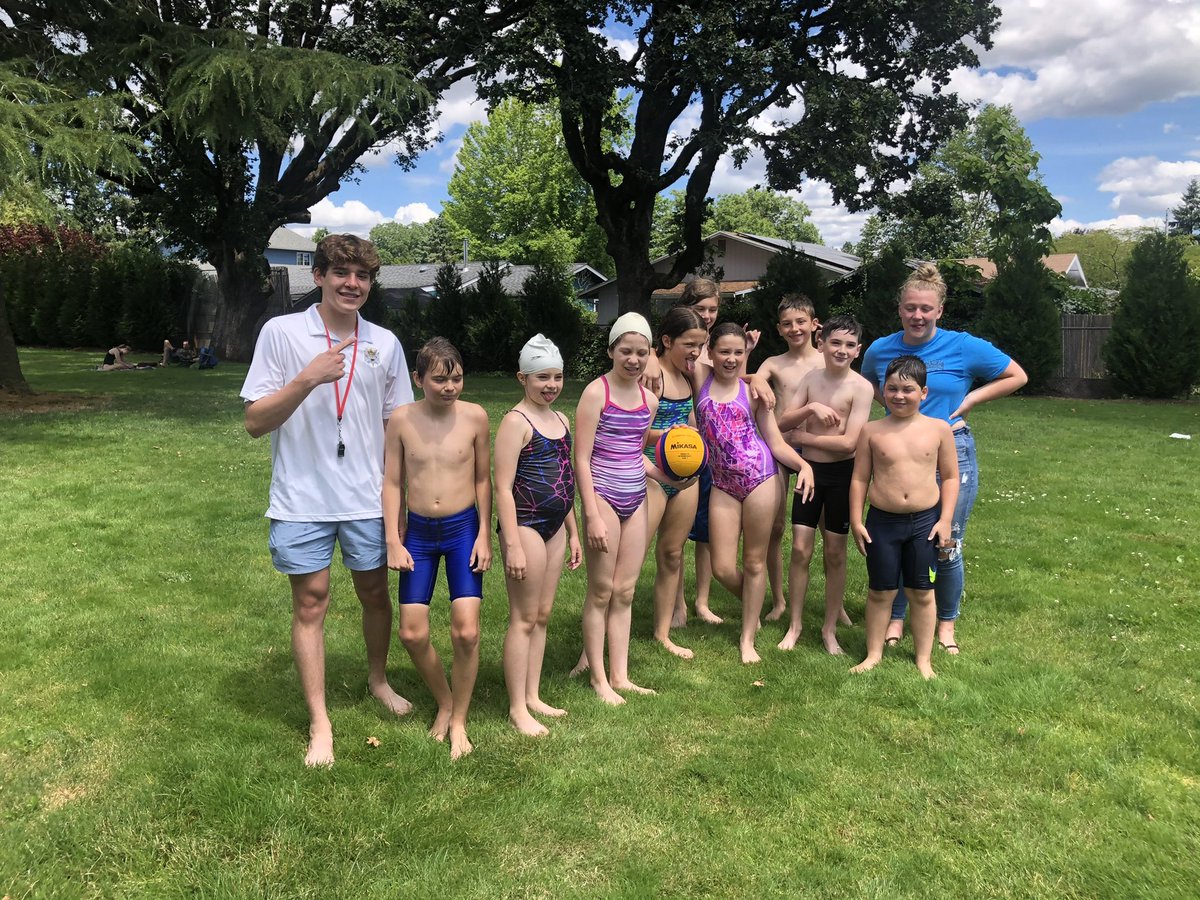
x: 1118, y: 223
x: 459, y: 106
x: 1146, y: 185
x: 414, y: 212
x: 1106, y: 57
x: 352, y: 216
x: 1170, y: 127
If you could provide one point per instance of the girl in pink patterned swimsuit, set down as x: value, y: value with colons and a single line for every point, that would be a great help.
x: 743, y: 442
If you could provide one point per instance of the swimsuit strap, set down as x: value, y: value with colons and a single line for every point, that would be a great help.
x: 607, y: 401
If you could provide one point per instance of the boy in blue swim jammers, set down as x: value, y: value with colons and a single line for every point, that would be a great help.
x: 437, y: 502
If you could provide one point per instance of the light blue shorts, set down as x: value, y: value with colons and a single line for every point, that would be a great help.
x: 301, y: 548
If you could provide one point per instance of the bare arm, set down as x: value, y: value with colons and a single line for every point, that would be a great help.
x: 859, y: 480
x: 948, y: 469
x: 265, y: 415
x: 769, y: 429
x: 393, y: 497
x: 1013, y: 378
x: 514, y: 432
x: 481, y: 554
x: 860, y: 413
x: 587, y: 417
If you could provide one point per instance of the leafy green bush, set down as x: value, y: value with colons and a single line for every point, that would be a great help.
x: 1020, y: 316
x: 1154, y: 348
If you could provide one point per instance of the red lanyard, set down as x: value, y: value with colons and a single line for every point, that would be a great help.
x: 339, y: 401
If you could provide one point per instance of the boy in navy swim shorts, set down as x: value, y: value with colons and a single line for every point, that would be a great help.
x: 900, y: 458
x: 437, y: 503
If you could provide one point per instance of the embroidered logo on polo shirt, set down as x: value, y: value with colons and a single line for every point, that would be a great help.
x: 371, y: 357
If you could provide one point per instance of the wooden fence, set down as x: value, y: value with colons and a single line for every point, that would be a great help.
x: 1083, y: 338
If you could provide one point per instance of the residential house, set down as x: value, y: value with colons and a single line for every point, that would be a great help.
x: 289, y: 248
x: 1065, y: 264
x: 742, y: 259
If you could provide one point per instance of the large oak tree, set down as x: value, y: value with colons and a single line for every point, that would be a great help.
x: 848, y: 91
x: 251, y: 111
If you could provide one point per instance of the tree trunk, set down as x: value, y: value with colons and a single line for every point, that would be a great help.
x: 11, y: 378
x: 243, y: 289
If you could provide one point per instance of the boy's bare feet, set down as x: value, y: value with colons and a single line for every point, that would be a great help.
x: 776, y: 613
x: 459, y: 745
x: 832, y: 647
x: 679, y: 617
x: 867, y: 664
x: 607, y: 694
x: 393, y: 702
x: 789, y: 639
x: 843, y: 618
x: 926, y: 670
x: 630, y: 686
x: 681, y: 652
x: 706, y: 615
x: 580, y: 667
x: 320, y: 747
x: 526, y: 724
x: 749, y: 654
x: 441, y: 725
x: 544, y: 709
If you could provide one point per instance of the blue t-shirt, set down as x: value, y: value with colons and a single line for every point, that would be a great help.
x: 954, y: 360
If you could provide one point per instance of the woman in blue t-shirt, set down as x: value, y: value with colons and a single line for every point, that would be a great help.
x: 955, y: 362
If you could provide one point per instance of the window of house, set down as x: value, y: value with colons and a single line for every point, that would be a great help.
x: 303, y: 259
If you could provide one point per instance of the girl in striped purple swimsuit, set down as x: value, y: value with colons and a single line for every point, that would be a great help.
x: 611, y: 422
x: 743, y: 443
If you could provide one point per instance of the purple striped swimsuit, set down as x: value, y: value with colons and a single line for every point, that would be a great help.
x: 740, y: 459
x: 618, y: 474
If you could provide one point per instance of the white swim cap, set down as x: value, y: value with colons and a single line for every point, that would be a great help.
x: 631, y: 322
x: 539, y: 354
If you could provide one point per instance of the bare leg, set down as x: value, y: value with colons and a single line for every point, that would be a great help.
x: 803, y: 539
x: 879, y: 611
x: 414, y: 634
x: 672, y: 535
x: 600, y: 572
x: 704, y: 577
x: 523, y: 597
x: 555, y: 549
x: 631, y: 553
x: 679, y: 619
x: 310, y: 603
x: 756, y: 531
x: 464, y: 637
x: 775, y: 554
x: 923, y: 617
x: 166, y: 356
x: 372, y: 590
x: 835, y: 589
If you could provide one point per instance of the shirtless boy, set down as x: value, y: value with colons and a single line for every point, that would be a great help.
x: 323, y: 384
x: 900, y: 457
x: 797, y: 324
x: 833, y: 404
x: 437, y: 502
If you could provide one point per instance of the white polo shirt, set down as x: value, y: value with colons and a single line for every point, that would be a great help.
x: 309, y: 483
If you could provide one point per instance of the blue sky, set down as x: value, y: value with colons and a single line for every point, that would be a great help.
x: 1108, y: 91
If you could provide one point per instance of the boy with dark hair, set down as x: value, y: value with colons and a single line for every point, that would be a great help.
x: 833, y: 403
x: 323, y: 384
x: 796, y: 324
x: 437, y: 502
x: 900, y: 457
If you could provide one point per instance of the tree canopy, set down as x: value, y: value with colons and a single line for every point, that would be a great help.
x: 248, y: 113
x: 708, y: 79
x: 1185, y: 218
x: 515, y: 195
x: 759, y: 211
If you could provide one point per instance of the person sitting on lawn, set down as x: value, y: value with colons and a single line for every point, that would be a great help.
x: 114, y: 359
x: 181, y: 356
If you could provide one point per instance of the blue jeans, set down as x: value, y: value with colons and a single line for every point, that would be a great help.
x: 948, y: 588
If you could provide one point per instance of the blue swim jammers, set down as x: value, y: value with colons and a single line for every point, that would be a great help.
x: 427, y: 541
x: 900, y: 543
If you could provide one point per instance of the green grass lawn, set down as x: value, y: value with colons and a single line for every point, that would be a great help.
x: 152, y: 730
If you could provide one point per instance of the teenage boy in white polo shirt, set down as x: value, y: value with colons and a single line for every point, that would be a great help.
x: 323, y: 384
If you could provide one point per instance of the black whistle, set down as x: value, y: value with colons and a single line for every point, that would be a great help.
x: 341, y: 450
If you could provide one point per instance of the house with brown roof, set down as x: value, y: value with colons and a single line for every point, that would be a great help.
x: 1064, y: 264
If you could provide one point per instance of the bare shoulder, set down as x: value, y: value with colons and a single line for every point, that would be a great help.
x: 862, y: 386
x: 475, y: 414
